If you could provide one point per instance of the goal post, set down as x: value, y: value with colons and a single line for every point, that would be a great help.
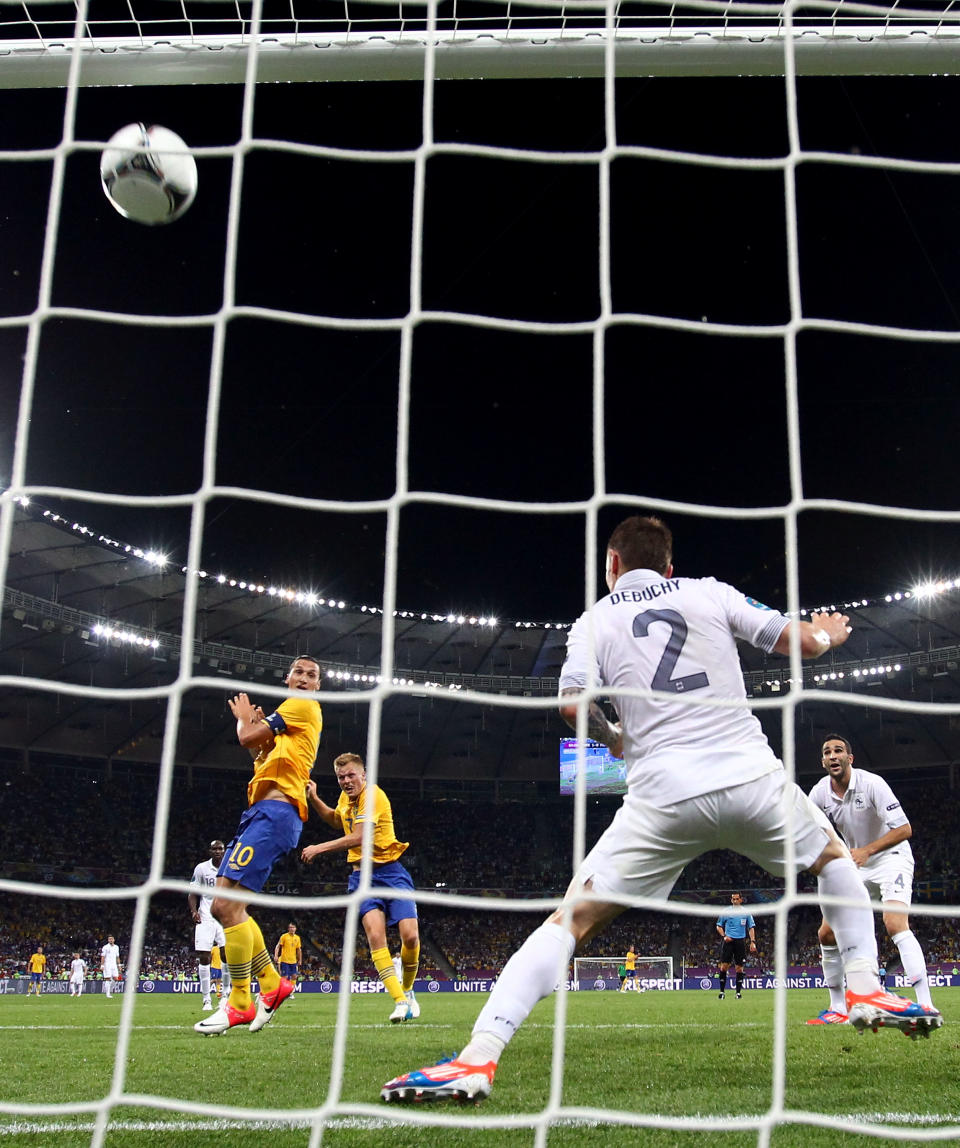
x: 603, y: 973
x: 384, y: 43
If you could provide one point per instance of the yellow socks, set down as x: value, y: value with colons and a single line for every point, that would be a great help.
x: 261, y: 964
x: 383, y: 963
x: 239, y: 950
x: 410, y: 960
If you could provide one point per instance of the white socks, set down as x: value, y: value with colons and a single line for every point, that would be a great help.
x: 204, y: 972
x: 914, y: 965
x: 852, y: 926
x: 833, y: 977
x: 530, y: 975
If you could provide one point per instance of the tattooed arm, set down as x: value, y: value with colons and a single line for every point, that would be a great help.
x: 599, y: 728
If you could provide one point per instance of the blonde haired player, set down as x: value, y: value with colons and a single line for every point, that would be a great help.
x: 358, y: 803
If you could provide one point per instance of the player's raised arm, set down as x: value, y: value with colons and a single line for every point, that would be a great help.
x: 334, y: 845
x: 320, y: 807
x: 823, y: 632
x: 253, y: 733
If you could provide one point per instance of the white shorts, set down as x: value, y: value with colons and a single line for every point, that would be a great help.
x: 110, y: 972
x: 76, y: 980
x: 888, y: 877
x: 644, y: 849
x: 207, y: 934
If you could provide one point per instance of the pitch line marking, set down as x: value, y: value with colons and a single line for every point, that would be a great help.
x: 41, y: 1128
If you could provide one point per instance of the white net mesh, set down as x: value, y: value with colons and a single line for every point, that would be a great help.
x: 605, y: 323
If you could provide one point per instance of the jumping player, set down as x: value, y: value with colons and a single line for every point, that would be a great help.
x: 284, y: 748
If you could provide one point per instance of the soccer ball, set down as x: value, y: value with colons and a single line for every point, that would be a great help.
x: 144, y: 177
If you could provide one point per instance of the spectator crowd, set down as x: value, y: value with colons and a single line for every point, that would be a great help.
x: 74, y: 828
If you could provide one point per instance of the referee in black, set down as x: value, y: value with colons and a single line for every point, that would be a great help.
x: 734, y: 928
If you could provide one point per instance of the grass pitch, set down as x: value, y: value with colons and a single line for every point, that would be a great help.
x: 647, y: 1057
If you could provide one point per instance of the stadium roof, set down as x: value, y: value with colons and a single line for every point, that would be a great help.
x: 473, y: 702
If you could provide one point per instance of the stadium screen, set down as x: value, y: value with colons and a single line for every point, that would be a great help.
x: 605, y: 773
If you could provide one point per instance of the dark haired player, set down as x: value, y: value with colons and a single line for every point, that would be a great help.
x: 284, y: 748
x: 869, y: 817
x: 699, y: 777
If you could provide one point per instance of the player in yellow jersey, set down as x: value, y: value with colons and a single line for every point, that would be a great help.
x: 629, y: 970
x: 284, y: 747
x: 357, y: 804
x: 216, y: 971
x: 36, y: 966
x: 288, y: 953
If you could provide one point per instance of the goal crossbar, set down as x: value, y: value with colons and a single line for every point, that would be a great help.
x: 546, y: 53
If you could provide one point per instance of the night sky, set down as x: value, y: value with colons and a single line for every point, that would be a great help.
x: 690, y: 416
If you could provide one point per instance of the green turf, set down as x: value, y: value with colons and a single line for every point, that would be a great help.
x: 684, y: 1055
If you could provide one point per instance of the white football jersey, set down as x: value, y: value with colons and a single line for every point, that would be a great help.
x: 866, y: 811
x: 78, y: 967
x: 677, y: 637
x: 111, y: 955
x: 205, y: 874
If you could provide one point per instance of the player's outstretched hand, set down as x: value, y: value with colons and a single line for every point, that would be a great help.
x: 241, y: 707
x: 836, y: 626
x: 308, y: 853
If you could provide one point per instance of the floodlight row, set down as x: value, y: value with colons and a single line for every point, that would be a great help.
x: 310, y: 598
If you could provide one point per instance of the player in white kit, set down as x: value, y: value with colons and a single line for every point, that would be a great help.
x: 110, y: 965
x: 866, y: 813
x: 699, y: 777
x: 78, y: 970
x: 208, y: 932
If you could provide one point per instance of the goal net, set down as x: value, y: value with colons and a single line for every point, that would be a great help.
x: 648, y: 263
x: 606, y: 973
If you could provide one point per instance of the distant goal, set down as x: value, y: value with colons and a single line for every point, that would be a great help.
x: 603, y: 973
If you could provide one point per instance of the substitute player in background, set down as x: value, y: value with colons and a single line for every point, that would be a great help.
x: 288, y: 953
x: 36, y: 967
x: 733, y: 928
x: 867, y: 814
x: 78, y: 971
x: 357, y: 804
x: 207, y: 932
x: 284, y: 748
x: 110, y: 965
x: 699, y: 777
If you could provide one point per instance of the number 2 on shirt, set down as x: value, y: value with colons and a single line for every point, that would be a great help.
x: 662, y: 679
